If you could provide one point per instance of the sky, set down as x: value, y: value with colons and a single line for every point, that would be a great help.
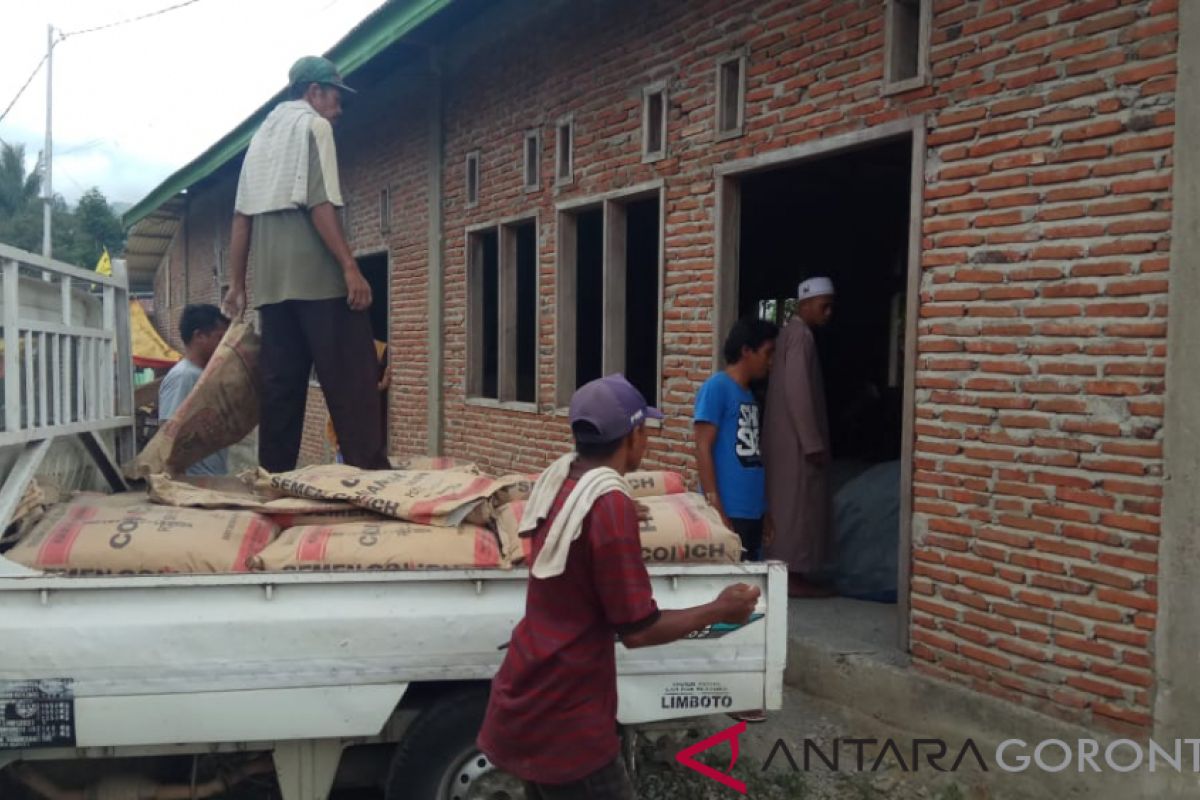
x: 134, y: 103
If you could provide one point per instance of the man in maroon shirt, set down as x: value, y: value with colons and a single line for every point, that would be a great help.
x: 552, y: 716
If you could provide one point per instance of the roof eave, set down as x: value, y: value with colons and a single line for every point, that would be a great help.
x: 366, y: 40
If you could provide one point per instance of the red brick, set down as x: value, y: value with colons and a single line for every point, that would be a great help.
x: 1136, y: 144
x: 1085, y: 684
x: 1122, y: 635
x: 1145, y: 72
x: 1123, y: 675
x: 1126, y: 522
x: 1072, y: 90
x: 1060, y: 585
x: 1095, y: 130
x: 1139, y: 718
x: 1080, y: 645
x: 1089, y: 534
x: 1101, y: 269
x: 1093, y: 611
x: 1129, y: 563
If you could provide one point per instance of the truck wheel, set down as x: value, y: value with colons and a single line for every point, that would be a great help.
x: 438, y: 759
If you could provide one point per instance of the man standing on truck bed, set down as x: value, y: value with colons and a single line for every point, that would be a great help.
x: 311, y: 296
x: 552, y: 716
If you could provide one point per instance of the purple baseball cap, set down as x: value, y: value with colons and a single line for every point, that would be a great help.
x: 613, y: 406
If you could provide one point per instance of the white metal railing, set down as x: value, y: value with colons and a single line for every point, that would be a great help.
x: 67, y: 365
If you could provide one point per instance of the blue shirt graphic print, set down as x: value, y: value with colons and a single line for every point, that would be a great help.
x: 737, y: 457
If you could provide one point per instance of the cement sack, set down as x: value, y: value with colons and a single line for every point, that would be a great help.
x: 101, y: 536
x: 220, y: 411
x: 375, y: 547
x: 680, y: 528
x: 235, y: 494
x: 655, y: 483
x: 521, y: 488
x: 641, y: 484
x: 435, y: 463
x: 444, y: 498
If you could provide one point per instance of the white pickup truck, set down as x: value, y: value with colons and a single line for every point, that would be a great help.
x: 181, y: 686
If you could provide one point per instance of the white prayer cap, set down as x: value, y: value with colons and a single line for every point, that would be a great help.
x: 815, y: 287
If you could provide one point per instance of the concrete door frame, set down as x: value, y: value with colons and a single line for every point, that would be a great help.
x: 728, y: 257
x: 1177, y: 638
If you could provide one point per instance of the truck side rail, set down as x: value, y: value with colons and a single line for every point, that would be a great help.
x: 67, y: 367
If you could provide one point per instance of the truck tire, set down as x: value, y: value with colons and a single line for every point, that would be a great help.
x: 437, y: 759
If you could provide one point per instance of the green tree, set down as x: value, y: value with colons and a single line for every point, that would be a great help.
x: 20, y: 209
x: 96, y: 227
x: 17, y: 190
x: 80, y: 234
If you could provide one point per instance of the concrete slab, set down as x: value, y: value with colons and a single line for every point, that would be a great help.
x: 848, y: 626
x: 844, y: 652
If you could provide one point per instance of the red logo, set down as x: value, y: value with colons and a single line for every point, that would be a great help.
x: 687, y: 757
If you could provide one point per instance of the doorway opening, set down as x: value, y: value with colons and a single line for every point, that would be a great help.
x: 374, y: 268
x: 846, y: 214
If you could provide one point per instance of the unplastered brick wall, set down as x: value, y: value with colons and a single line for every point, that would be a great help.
x: 314, y: 445
x: 192, y: 257
x: 1044, y: 254
x: 1042, y: 352
x: 390, y: 150
x: 813, y: 70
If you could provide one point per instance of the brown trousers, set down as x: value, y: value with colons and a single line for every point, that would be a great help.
x: 296, y: 335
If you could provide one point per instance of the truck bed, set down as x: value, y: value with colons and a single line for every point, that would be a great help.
x: 212, y: 658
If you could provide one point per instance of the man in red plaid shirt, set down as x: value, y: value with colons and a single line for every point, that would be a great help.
x: 552, y: 717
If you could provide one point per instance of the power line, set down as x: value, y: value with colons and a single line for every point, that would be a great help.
x: 64, y: 35
x: 139, y: 18
x: 25, y: 86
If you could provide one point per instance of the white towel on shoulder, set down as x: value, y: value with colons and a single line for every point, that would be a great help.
x: 595, y: 483
x: 274, y: 175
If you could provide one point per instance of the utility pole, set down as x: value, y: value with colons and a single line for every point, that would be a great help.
x: 47, y: 186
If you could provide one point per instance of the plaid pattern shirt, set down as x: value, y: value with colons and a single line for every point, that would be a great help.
x: 552, y: 716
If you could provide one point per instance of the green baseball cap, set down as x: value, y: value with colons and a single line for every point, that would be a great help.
x: 315, y: 69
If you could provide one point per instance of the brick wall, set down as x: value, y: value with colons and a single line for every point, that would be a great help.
x: 1038, y: 468
x: 391, y: 150
x: 1046, y: 228
x: 1039, y: 463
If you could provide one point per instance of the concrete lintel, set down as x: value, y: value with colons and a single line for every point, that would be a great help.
x: 842, y: 143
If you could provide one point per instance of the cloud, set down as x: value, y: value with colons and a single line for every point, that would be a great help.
x: 137, y: 102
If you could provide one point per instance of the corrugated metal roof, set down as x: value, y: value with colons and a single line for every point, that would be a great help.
x: 365, y: 41
x: 148, y: 241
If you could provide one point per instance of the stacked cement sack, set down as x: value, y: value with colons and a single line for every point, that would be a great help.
x: 678, y: 526
x: 381, y: 546
x: 339, y: 518
x: 125, y: 535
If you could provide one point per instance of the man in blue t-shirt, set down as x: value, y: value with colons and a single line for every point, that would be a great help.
x: 727, y: 424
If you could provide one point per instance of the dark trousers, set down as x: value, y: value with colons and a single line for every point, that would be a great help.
x: 607, y: 783
x: 296, y: 335
x: 751, y: 533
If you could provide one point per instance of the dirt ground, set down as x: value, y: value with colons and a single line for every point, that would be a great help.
x: 660, y: 777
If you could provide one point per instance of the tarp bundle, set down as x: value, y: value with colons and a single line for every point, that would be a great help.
x: 149, y: 349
